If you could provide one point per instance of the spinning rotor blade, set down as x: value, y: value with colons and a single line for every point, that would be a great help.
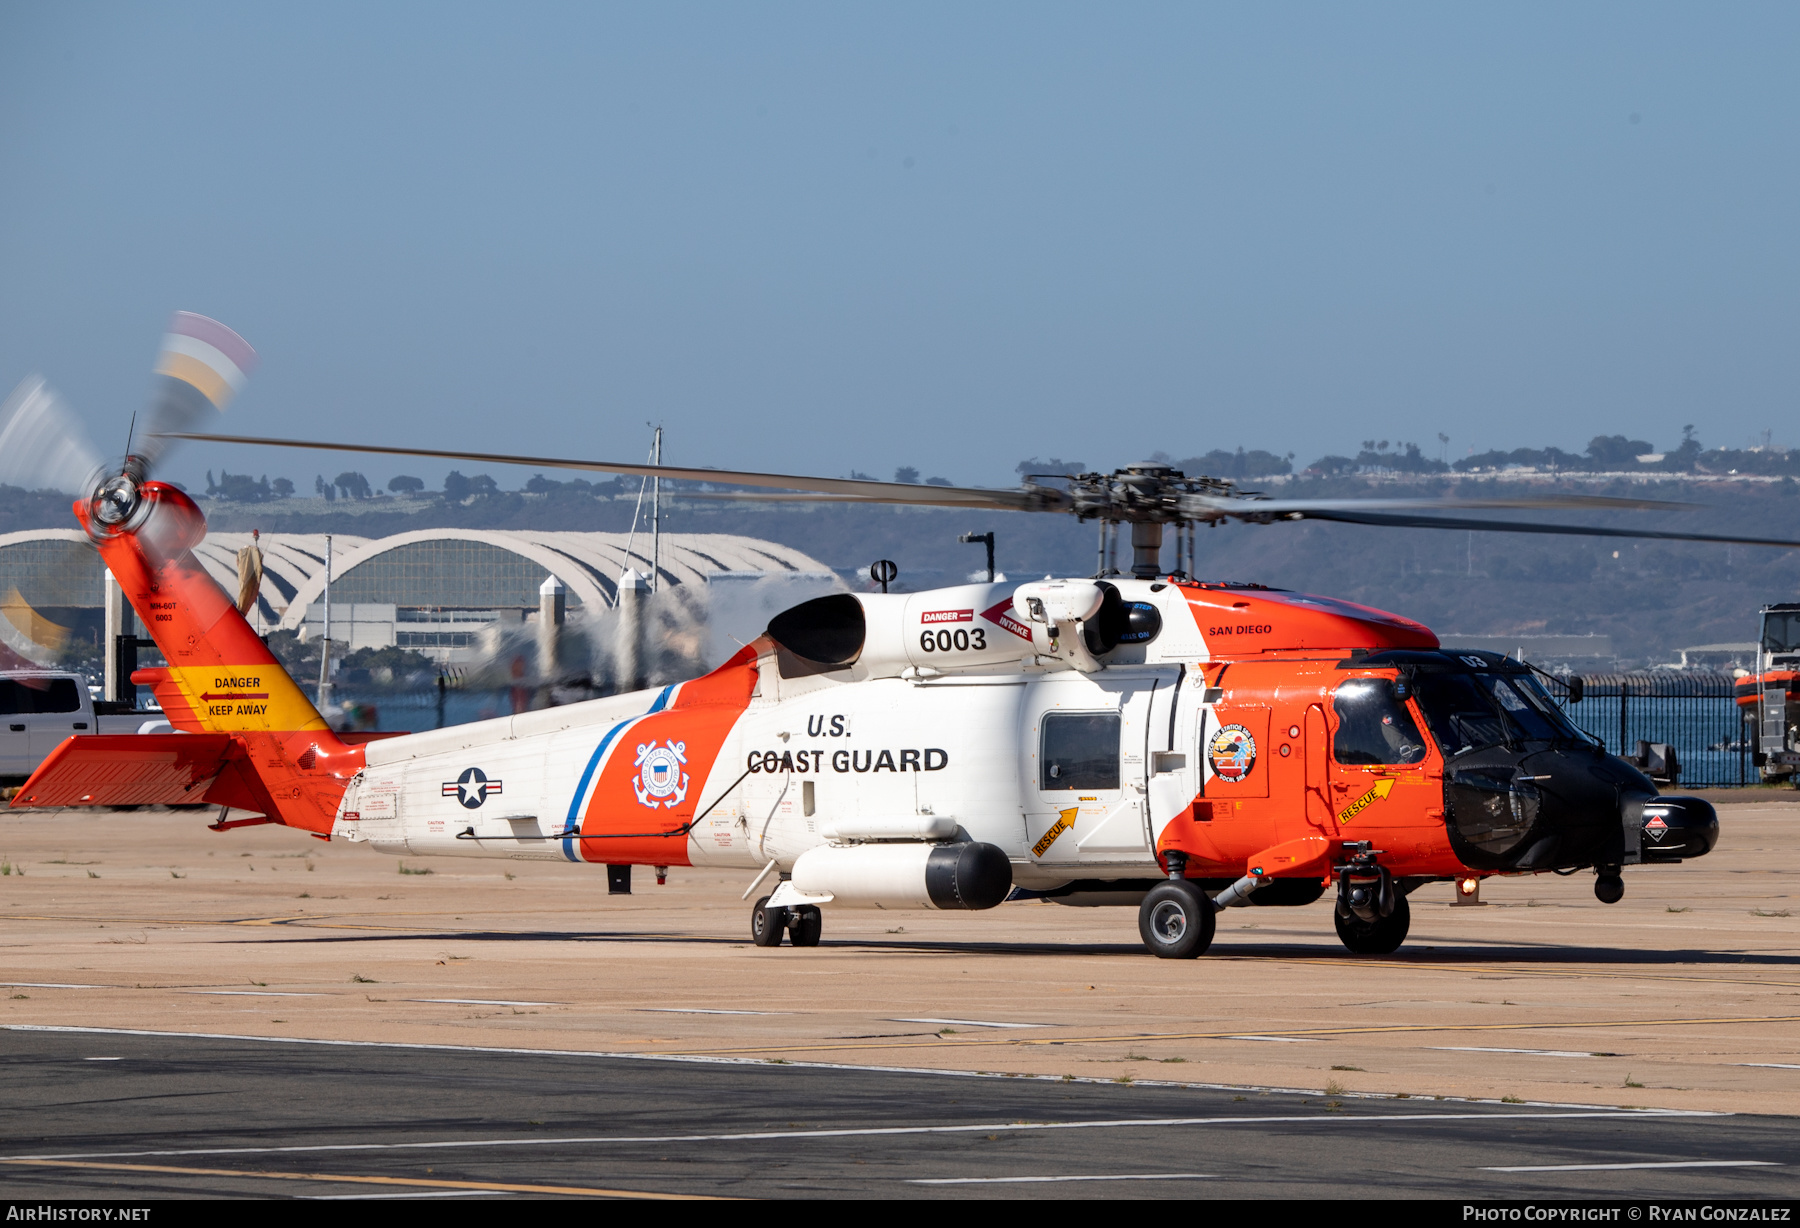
x: 852, y: 489
x: 202, y: 365
x: 43, y: 445
x: 1199, y: 506
x: 1386, y: 519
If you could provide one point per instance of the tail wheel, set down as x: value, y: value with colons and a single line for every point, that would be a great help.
x: 767, y: 924
x: 1176, y: 920
x: 804, y: 929
x: 1382, y: 936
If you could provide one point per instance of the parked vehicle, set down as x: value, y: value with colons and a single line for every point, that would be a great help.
x: 41, y: 709
x: 1773, y: 693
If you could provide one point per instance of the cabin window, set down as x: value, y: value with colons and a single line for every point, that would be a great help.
x: 1080, y: 751
x: 22, y: 695
x: 1373, y: 726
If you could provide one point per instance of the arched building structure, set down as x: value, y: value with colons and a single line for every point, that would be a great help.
x: 432, y: 590
x: 53, y: 587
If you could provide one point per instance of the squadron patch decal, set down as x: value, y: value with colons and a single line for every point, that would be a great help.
x: 661, y: 782
x: 1232, y: 753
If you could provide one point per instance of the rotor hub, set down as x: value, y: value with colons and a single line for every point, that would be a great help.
x: 116, y: 500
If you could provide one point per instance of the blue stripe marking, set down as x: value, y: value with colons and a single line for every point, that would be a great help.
x: 587, y: 776
x: 581, y: 789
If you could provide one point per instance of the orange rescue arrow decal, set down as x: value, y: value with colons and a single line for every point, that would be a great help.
x: 1057, y: 828
x: 1382, y: 789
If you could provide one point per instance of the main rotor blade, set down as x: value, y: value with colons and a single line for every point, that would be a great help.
x: 858, y: 489
x: 1385, y: 519
x: 1230, y: 506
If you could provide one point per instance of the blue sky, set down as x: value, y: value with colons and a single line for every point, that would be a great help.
x: 824, y: 237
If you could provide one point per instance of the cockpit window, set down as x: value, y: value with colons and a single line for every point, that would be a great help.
x: 1470, y: 711
x: 1459, y: 711
x: 1374, y: 727
x: 1536, y: 716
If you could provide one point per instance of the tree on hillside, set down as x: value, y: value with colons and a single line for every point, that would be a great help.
x: 238, y: 487
x: 1616, y: 451
x: 354, y: 485
x: 404, y: 485
x: 1240, y: 464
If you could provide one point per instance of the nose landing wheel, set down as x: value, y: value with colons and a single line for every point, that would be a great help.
x: 1382, y: 936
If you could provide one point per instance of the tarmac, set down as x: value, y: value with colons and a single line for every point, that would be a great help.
x: 172, y: 990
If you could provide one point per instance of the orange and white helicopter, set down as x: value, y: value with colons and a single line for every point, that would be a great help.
x: 1145, y: 740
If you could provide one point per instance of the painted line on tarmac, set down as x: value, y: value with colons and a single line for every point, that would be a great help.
x: 1068, y: 1177
x: 698, y: 1010
x: 1323, y: 1117
x: 407, y: 1194
x: 1595, y: 1168
x: 1136, y: 1038
x: 1565, y: 974
x: 977, y: 1023
x: 480, y: 1002
x: 498, y: 1187
x: 1536, y: 1052
x: 701, y: 1059
x: 50, y: 985
x: 1279, y: 1040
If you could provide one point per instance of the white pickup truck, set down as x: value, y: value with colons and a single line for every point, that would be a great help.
x: 40, y: 709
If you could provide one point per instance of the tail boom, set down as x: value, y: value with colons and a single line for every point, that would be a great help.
x: 262, y: 746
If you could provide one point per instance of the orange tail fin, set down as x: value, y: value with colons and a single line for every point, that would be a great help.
x: 269, y: 751
x: 221, y: 677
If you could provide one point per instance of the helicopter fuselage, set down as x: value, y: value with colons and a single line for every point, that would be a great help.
x: 1100, y: 735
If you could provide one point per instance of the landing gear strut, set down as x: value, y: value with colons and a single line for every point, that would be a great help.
x: 802, y: 923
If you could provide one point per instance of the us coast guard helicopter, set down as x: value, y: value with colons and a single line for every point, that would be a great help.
x: 1144, y: 740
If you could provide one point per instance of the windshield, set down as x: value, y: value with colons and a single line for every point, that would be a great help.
x: 1781, y: 631
x: 1471, y: 711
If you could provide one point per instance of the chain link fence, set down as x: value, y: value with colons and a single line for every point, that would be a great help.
x: 1694, y: 711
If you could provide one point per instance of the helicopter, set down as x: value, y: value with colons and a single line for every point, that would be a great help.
x: 1143, y: 739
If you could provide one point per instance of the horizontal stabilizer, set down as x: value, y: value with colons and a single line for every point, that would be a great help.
x: 143, y: 769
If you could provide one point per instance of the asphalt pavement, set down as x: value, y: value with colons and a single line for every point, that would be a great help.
x: 111, y: 1114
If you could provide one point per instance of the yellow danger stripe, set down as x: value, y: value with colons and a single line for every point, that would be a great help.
x: 228, y: 699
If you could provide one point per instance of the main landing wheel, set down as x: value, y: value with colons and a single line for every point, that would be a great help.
x: 767, y: 924
x: 807, y: 924
x: 1382, y: 936
x: 1176, y: 920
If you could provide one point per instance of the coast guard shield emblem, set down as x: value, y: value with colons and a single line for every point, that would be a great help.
x: 661, y: 782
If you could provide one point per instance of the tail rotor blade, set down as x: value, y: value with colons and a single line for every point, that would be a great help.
x: 43, y: 445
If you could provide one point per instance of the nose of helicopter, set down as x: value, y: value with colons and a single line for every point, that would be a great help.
x: 1562, y: 809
